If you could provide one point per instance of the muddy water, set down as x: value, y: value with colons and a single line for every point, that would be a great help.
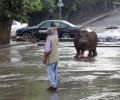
x: 23, y: 76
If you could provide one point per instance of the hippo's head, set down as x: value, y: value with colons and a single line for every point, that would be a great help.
x: 81, y: 37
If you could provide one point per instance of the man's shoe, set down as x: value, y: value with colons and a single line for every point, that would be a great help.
x: 52, y: 88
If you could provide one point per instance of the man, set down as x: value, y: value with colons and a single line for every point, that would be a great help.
x: 55, y: 28
x: 50, y: 57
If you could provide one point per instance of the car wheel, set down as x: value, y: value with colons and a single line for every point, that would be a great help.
x: 65, y: 35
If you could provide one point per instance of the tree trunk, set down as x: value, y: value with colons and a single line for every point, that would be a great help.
x: 5, y: 28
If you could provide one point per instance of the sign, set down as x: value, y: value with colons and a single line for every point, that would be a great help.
x: 60, y: 1
x: 60, y: 4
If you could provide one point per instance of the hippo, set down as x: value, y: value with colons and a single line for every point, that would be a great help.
x: 84, y: 40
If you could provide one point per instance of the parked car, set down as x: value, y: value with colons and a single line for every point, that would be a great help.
x: 65, y: 29
x: 16, y: 25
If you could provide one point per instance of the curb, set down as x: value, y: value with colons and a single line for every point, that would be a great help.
x: 10, y: 45
x: 106, y: 46
x: 38, y: 43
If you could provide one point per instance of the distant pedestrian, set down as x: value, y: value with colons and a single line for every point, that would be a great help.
x: 51, y: 57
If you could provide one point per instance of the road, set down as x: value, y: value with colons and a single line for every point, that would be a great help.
x: 24, y: 77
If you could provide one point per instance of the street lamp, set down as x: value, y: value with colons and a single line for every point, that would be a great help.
x: 60, y: 5
x: 48, y: 8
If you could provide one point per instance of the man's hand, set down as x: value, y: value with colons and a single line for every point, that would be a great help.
x: 45, y: 57
x: 44, y: 60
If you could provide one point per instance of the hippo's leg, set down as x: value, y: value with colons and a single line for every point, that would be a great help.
x: 94, y: 52
x: 90, y: 53
x: 82, y: 54
x: 77, y: 54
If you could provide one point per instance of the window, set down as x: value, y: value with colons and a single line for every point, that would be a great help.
x: 60, y: 24
x: 45, y: 25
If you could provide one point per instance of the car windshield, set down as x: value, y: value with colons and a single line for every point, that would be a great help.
x: 15, y: 22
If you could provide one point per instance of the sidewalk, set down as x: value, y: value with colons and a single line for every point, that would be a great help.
x: 14, y: 43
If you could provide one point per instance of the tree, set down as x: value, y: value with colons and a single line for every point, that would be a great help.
x: 14, y: 9
x: 49, y: 6
x: 84, y: 7
x: 48, y: 11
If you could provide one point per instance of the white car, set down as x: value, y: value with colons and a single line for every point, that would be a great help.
x: 16, y: 25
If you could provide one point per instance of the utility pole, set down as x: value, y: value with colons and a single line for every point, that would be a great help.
x: 60, y: 5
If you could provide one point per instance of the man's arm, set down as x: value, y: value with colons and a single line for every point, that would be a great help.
x: 45, y: 57
x: 47, y: 51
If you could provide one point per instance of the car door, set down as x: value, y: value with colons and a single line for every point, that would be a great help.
x: 43, y: 30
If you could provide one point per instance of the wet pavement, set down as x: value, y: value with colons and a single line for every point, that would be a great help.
x: 24, y: 77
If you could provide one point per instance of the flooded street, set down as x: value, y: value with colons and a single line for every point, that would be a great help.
x: 24, y: 77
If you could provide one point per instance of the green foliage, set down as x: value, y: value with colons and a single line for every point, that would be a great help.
x: 48, y: 6
x: 18, y: 9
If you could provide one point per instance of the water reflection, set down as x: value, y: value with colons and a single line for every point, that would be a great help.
x: 24, y: 77
x: 53, y: 96
x: 19, y: 54
x: 4, y: 55
x: 104, y: 96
